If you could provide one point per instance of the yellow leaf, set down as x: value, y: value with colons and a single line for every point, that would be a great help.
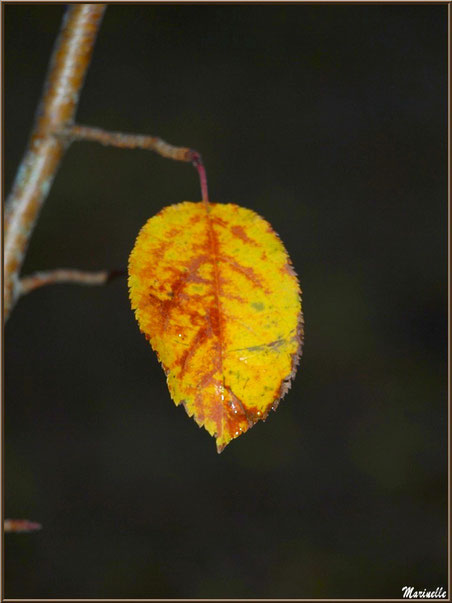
x: 215, y: 294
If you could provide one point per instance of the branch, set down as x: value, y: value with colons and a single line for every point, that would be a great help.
x: 68, y: 67
x: 139, y: 141
x: 65, y: 276
x: 54, y: 131
x: 129, y: 141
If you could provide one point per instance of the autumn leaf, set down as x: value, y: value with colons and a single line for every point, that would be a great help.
x: 214, y: 292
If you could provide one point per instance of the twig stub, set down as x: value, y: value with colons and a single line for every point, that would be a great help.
x: 21, y: 525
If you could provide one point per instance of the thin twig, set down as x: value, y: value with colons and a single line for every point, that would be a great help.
x: 68, y: 66
x: 65, y: 276
x: 140, y: 141
x: 128, y: 141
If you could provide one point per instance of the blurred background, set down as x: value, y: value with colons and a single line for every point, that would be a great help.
x: 331, y: 122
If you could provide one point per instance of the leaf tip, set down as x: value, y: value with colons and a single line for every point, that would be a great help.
x: 220, y: 447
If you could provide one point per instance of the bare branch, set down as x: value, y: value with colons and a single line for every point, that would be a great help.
x: 68, y: 66
x: 140, y: 141
x: 65, y: 276
x: 54, y: 131
x: 129, y: 141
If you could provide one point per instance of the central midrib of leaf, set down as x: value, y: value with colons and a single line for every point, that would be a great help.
x: 213, y: 250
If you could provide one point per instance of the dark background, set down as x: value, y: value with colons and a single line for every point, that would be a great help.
x: 330, y: 121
